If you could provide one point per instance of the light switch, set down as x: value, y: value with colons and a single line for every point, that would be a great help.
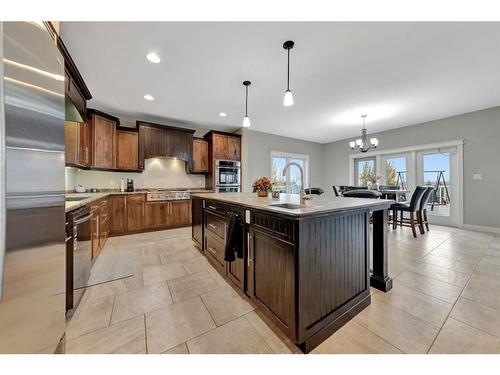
x: 477, y: 176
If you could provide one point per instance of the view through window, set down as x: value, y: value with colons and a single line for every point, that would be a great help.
x: 290, y: 183
x: 436, y: 173
x: 395, y: 170
x: 364, y: 168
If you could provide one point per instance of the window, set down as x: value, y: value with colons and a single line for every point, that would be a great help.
x: 363, y: 168
x: 290, y: 183
x: 395, y: 170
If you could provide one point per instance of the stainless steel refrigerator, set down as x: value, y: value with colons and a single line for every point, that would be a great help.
x: 32, y: 218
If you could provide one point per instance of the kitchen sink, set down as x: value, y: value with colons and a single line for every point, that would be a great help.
x: 288, y: 206
x: 75, y: 199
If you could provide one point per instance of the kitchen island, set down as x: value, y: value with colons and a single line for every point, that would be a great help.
x: 306, y: 264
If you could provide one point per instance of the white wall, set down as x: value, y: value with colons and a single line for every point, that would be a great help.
x: 256, y: 156
x: 481, y: 132
x: 158, y: 173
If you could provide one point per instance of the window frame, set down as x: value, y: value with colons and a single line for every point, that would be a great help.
x: 356, y: 169
x: 288, y: 156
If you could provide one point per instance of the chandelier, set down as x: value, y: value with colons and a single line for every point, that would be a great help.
x: 362, y: 143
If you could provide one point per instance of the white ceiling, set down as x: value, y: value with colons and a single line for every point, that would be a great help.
x: 397, y: 73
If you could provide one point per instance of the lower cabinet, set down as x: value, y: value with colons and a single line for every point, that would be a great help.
x: 197, y: 221
x: 179, y: 213
x: 156, y: 215
x: 118, y: 217
x: 99, y: 225
x: 135, y: 212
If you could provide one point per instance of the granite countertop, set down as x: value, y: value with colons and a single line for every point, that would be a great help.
x: 92, y: 197
x: 314, y: 206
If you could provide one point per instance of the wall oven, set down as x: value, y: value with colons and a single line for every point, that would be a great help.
x: 227, y: 176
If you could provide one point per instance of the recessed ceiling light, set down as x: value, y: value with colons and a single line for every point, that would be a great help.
x: 149, y: 97
x: 153, y: 57
x: 222, y: 114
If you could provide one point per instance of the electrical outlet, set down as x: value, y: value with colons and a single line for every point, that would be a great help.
x: 477, y: 176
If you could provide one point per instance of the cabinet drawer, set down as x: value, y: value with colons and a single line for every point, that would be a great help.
x: 215, y: 206
x: 135, y: 198
x: 214, y: 248
x: 216, y: 225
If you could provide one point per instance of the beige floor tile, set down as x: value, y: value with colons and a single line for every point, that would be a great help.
x: 397, y: 327
x: 355, y: 339
x: 127, y: 337
x: 427, y: 285
x: 105, y: 289
x: 436, y: 350
x: 179, y: 349
x: 140, y: 301
x: 147, y: 256
x: 456, y: 255
x: 478, y: 316
x: 90, y: 316
x: 192, y: 285
x: 236, y: 337
x: 218, y: 278
x: 175, y: 324
x: 448, y: 263
x: 276, y: 344
x: 224, y: 304
x: 440, y: 273
x: 459, y: 338
x: 484, y: 289
x: 153, y: 274
x: 487, y: 267
x: 171, y: 256
x: 196, y: 264
x: 420, y: 305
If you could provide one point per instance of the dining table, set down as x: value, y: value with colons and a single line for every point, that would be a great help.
x: 399, y: 194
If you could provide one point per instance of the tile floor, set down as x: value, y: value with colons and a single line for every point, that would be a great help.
x: 446, y: 299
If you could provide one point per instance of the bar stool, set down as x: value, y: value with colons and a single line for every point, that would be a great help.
x: 422, y: 213
x: 413, y: 207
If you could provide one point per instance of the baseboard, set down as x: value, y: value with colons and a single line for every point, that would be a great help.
x: 481, y: 228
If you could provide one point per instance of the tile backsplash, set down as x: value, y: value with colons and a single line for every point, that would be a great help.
x: 158, y: 173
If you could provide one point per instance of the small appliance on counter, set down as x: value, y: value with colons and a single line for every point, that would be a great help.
x: 79, y: 189
x: 123, y: 185
x: 94, y: 190
x: 130, y: 185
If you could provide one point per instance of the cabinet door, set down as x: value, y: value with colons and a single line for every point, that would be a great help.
x: 85, y: 144
x: 155, y: 214
x: 127, y: 150
x: 233, y: 148
x: 71, y: 142
x: 219, y: 145
x: 214, y: 249
x: 236, y: 272
x: 104, y: 142
x: 135, y: 213
x: 179, y: 213
x: 197, y: 221
x: 200, y: 156
x: 271, y: 281
x: 118, y: 214
x: 94, y: 233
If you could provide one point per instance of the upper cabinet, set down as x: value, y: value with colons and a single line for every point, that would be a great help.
x: 157, y: 140
x: 104, y: 139
x: 224, y: 146
x: 127, y: 150
x: 200, y: 156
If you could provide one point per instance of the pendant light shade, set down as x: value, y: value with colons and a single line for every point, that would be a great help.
x: 246, y: 119
x: 288, y: 98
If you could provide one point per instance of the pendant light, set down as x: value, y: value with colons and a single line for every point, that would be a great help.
x: 362, y: 143
x: 288, y: 98
x: 246, y: 119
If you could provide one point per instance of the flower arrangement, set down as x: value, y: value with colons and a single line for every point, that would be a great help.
x: 372, y: 181
x: 262, y: 186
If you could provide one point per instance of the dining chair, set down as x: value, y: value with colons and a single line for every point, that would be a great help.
x: 412, y: 208
x: 336, y: 191
x: 422, y: 213
x: 314, y: 191
x: 364, y: 193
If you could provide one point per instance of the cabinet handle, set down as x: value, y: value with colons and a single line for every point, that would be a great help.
x: 212, y: 226
x: 213, y: 207
x: 249, y: 256
x: 212, y: 250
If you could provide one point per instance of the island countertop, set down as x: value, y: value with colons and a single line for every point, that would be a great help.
x: 315, y: 206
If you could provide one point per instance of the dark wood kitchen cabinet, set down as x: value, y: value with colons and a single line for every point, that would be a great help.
x: 179, y: 213
x: 118, y: 214
x: 104, y: 140
x: 127, y: 150
x: 155, y: 214
x: 85, y: 144
x: 200, y: 156
x: 223, y: 146
x: 197, y: 221
x: 135, y: 212
x: 71, y: 141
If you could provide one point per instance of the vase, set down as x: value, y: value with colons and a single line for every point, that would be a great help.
x: 261, y: 193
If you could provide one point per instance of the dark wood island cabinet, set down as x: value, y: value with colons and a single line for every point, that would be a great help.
x: 307, y: 268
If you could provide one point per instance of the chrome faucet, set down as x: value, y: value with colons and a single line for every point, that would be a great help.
x: 303, y: 195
